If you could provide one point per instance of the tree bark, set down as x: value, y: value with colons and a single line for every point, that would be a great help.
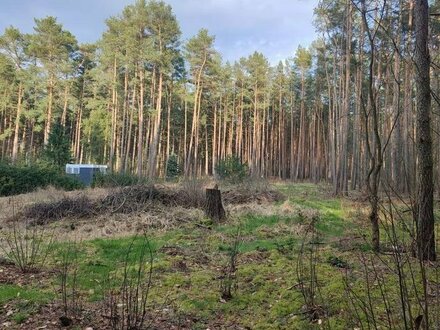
x: 425, y: 212
x: 373, y: 144
x: 17, y: 123
x: 48, y: 123
x: 214, y: 207
x: 140, y: 139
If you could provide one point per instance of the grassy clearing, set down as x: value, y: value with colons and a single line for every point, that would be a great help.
x: 188, y: 278
x: 189, y: 261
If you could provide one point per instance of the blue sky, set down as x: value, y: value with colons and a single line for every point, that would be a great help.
x: 274, y: 27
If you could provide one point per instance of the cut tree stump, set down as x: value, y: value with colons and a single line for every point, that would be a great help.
x: 214, y: 207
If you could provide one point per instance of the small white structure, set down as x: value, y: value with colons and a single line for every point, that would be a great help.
x: 85, y: 172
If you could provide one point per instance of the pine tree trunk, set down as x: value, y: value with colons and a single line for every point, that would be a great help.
x: 49, y: 111
x: 64, y: 115
x: 17, y: 123
x: 425, y: 214
x: 152, y: 161
x: 140, y: 140
x: 113, y: 111
x: 214, y: 207
x: 169, y: 106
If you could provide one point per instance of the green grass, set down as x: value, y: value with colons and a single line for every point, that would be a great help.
x: 23, y: 301
x: 266, y: 295
x: 332, y: 219
x: 20, y: 317
x: 10, y: 292
x: 264, y: 283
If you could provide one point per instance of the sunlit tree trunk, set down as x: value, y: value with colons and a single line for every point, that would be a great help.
x: 17, y: 122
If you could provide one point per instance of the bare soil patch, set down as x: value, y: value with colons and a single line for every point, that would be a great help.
x: 11, y: 274
x: 92, y: 316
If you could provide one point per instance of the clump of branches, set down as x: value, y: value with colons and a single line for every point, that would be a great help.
x: 129, y: 199
x: 127, y: 299
x: 123, y: 200
x: 68, y: 275
x: 252, y: 190
x: 26, y: 246
x: 228, y: 278
x: 46, y: 212
x: 138, y: 198
x: 192, y: 193
x: 405, y: 288
x: 307, y: 276
x: 362, y: 294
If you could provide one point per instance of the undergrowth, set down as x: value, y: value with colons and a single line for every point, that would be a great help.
x: 20, y: 179
x: 283, y: 274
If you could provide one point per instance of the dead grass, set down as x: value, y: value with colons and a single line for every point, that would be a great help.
x: 286, y: 209
x: 158, y: 218
x: 119, y: 212
x: 252, y: 191
x: 192, y: 191
x: 243, y: 196
x: 127, y: 200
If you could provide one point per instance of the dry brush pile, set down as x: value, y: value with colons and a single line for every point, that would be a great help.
x: 137, y: 198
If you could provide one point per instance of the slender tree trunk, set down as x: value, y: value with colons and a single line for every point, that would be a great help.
x: 169, y: 106
x: 113, y: 119
x: 17, y: 123
x: 64, y: 115
x: 152, y: 161
x: 425, y: 205
x: 191, y: 162
x: 49, y: 110
x: 140, y: 140
x: 214, y: 140
x: 375, y: 155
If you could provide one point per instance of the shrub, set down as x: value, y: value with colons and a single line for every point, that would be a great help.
x: 228, y: 278
x: 68, y: 275
x: 231, y: 169
x: 113, y: 180
x: 127, y: 304
x: 27, y: 247
x: 173, y: 168
x: 23, y: 179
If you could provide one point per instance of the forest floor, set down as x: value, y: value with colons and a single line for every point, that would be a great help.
x: 293, y: 258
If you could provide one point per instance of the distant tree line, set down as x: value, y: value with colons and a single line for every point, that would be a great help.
x: 342, y: 110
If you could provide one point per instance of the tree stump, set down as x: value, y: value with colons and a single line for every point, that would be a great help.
x: 214, y: 207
